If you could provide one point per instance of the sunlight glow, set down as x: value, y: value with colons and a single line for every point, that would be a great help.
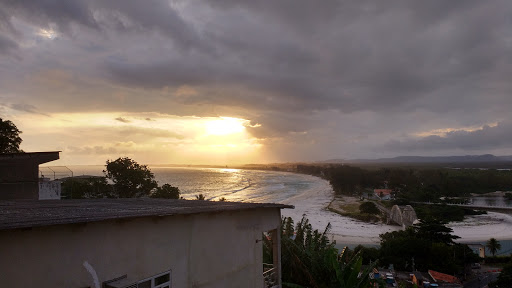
x: 47, y: 33
x: 445, y: 131
x: 225, y: 126
x: 149, y: 137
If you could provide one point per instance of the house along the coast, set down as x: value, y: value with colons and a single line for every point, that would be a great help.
x: 136, y: 243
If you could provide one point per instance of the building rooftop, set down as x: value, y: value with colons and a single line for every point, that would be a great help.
x: 441, y: 277
x: 36, y: 213
x: 38, y: 157
x: 383, y: 191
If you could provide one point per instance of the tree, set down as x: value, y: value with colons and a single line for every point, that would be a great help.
x: 493, y: 246
x: 166, y: 191
x: 310, y: 260
x: 369, y: 208
x: 130, y: 178
x: 435, y: 231
x: 200, y: 197
x: 9, y: 137
x: 86, y: 188
x: 429, y: 245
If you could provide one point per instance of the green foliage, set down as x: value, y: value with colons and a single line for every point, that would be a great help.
x: 349, y: 273
x: 493, y: 246
x: 166, y: 191
x: 448, y: 213
x: 10, y: 139
x: 130, y: 178
x: 310, y: 260
x: 369, y: 254
x: 426, y: 184
x: 434, y: 231
x: 430, y: 244
x: 86, y: 188
x: 369, y: 208
x: 504, y: 279
x: 200, y: 197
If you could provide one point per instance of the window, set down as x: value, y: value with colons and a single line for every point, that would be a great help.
x: 162, y: 280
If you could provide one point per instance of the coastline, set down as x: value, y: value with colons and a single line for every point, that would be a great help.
x: 314, y: 204
x: 345, y: 230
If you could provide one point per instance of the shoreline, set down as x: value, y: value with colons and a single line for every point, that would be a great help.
x: 345, y: 230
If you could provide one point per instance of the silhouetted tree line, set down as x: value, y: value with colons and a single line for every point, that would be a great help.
x: 426, y: 245
x: 128, y: 180
x: 413, y: 183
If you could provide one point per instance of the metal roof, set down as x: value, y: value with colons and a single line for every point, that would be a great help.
x: 37, y: 213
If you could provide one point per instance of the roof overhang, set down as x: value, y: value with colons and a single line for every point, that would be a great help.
x: 34, y: 157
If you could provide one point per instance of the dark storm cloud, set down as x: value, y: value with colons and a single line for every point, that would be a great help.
x: 486, y: 138
x: 388, y: 56
x: 291, y: 66
x: 47, y: 12
x: 7, y: 45
x: 125, y: 16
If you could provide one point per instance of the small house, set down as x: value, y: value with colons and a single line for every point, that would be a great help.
x: 382, y: 194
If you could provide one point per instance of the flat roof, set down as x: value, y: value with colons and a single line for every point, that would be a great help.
x: 37, y: 213
x: 39, y: 157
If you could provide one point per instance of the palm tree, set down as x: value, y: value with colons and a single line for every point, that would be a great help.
x: 493, y: 246
x: 200, y: 197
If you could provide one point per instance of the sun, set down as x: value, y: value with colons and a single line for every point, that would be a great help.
x: 225, y: 126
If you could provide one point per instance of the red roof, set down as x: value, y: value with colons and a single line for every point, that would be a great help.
x: 382, y: 191
x: 441, y: 277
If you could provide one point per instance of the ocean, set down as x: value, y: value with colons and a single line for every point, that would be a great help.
x: 233, y: 184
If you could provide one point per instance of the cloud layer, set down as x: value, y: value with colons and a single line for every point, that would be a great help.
x: 340, y: 79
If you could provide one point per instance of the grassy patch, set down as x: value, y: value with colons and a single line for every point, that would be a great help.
x: 349, y: 207
x: 352, y: 210
x: 445, y: 212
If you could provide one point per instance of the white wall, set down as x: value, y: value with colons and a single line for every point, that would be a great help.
x: 49, y: 190
x: 202, y: 250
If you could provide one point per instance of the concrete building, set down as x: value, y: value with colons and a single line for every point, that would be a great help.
x: 478, y: 249
x: 137, y: 243
x: 19, y: 175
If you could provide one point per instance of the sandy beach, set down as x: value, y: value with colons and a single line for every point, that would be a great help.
x: 349, y: 231
x: 483, y: 227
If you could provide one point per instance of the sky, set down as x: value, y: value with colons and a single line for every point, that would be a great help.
x: 234, y: 82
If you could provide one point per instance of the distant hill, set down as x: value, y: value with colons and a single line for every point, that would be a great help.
x: 486, y: 158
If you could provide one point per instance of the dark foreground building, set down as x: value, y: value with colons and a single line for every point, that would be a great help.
x: 19, y: 174
x: 157, y: 243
